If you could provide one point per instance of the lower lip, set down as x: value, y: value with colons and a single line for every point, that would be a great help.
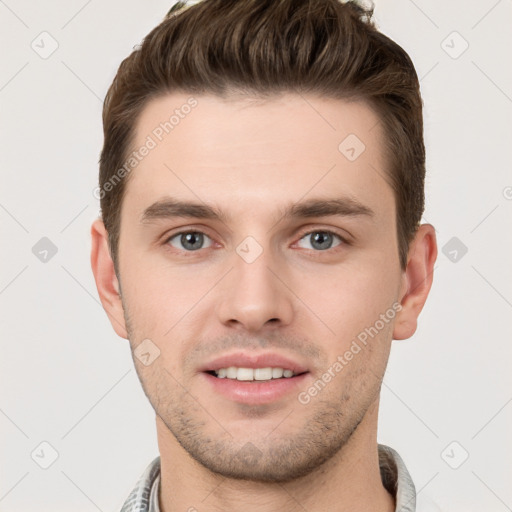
x: 255, y: 392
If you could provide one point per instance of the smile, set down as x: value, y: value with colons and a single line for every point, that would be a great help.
x: 253, y: 374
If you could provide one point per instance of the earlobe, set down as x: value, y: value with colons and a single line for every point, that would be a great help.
x: 106, y: 279
x: 417, y: 281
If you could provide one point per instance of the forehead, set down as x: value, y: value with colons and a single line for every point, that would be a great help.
x: 257, y: 152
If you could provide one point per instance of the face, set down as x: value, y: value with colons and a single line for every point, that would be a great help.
x: 287, y: 258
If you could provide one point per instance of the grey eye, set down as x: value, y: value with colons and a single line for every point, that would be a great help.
x: 320, y: 240
x: 189, y: 240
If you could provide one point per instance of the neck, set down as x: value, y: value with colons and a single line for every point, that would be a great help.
x: 350, y: 480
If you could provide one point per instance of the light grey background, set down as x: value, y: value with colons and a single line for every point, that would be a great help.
x: 68, y: 380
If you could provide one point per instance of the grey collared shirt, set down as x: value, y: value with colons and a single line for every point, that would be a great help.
x: 395, y: 477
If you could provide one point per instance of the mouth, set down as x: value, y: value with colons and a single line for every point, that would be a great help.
x: 254, y: 379
x: 245, y: 366
x: 254, y: 374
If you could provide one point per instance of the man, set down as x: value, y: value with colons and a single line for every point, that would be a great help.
x: 260, y: 246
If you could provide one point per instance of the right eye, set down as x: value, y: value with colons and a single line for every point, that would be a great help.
x: 189, y: 240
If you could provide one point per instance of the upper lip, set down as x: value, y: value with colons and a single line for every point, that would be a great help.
x: 247, y: 360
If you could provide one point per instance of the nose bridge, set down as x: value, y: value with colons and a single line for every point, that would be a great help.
x: 253, y: 294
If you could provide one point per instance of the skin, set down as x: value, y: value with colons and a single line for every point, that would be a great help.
x: 250, y: 159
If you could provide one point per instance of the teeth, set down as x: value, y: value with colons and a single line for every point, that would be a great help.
x: 231, y: 372
x: 277, y: 373
x: 262, y: 373
x: 245, y: 374
x: 252, y: 374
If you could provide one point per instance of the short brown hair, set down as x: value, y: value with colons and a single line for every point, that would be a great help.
x: 262, y: 48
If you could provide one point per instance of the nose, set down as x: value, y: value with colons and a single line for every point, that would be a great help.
x: 254, y: 295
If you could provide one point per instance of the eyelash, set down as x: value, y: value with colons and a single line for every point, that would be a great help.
x: 344, y: 240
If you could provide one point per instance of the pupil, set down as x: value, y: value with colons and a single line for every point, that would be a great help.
x: 323, y: 239
x: 188, y: 240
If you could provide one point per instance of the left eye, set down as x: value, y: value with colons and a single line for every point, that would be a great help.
x: 189, y: 240
x: 321, y: 240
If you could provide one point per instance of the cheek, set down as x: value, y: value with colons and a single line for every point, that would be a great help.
x: 159, y: 294
x: 348, y: 300
x: 167, y: 306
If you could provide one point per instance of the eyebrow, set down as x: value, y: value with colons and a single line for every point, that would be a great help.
x: 169, y: 208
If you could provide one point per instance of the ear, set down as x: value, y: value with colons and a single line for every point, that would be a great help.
x: 106, y: 279
x: 416, y: 281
